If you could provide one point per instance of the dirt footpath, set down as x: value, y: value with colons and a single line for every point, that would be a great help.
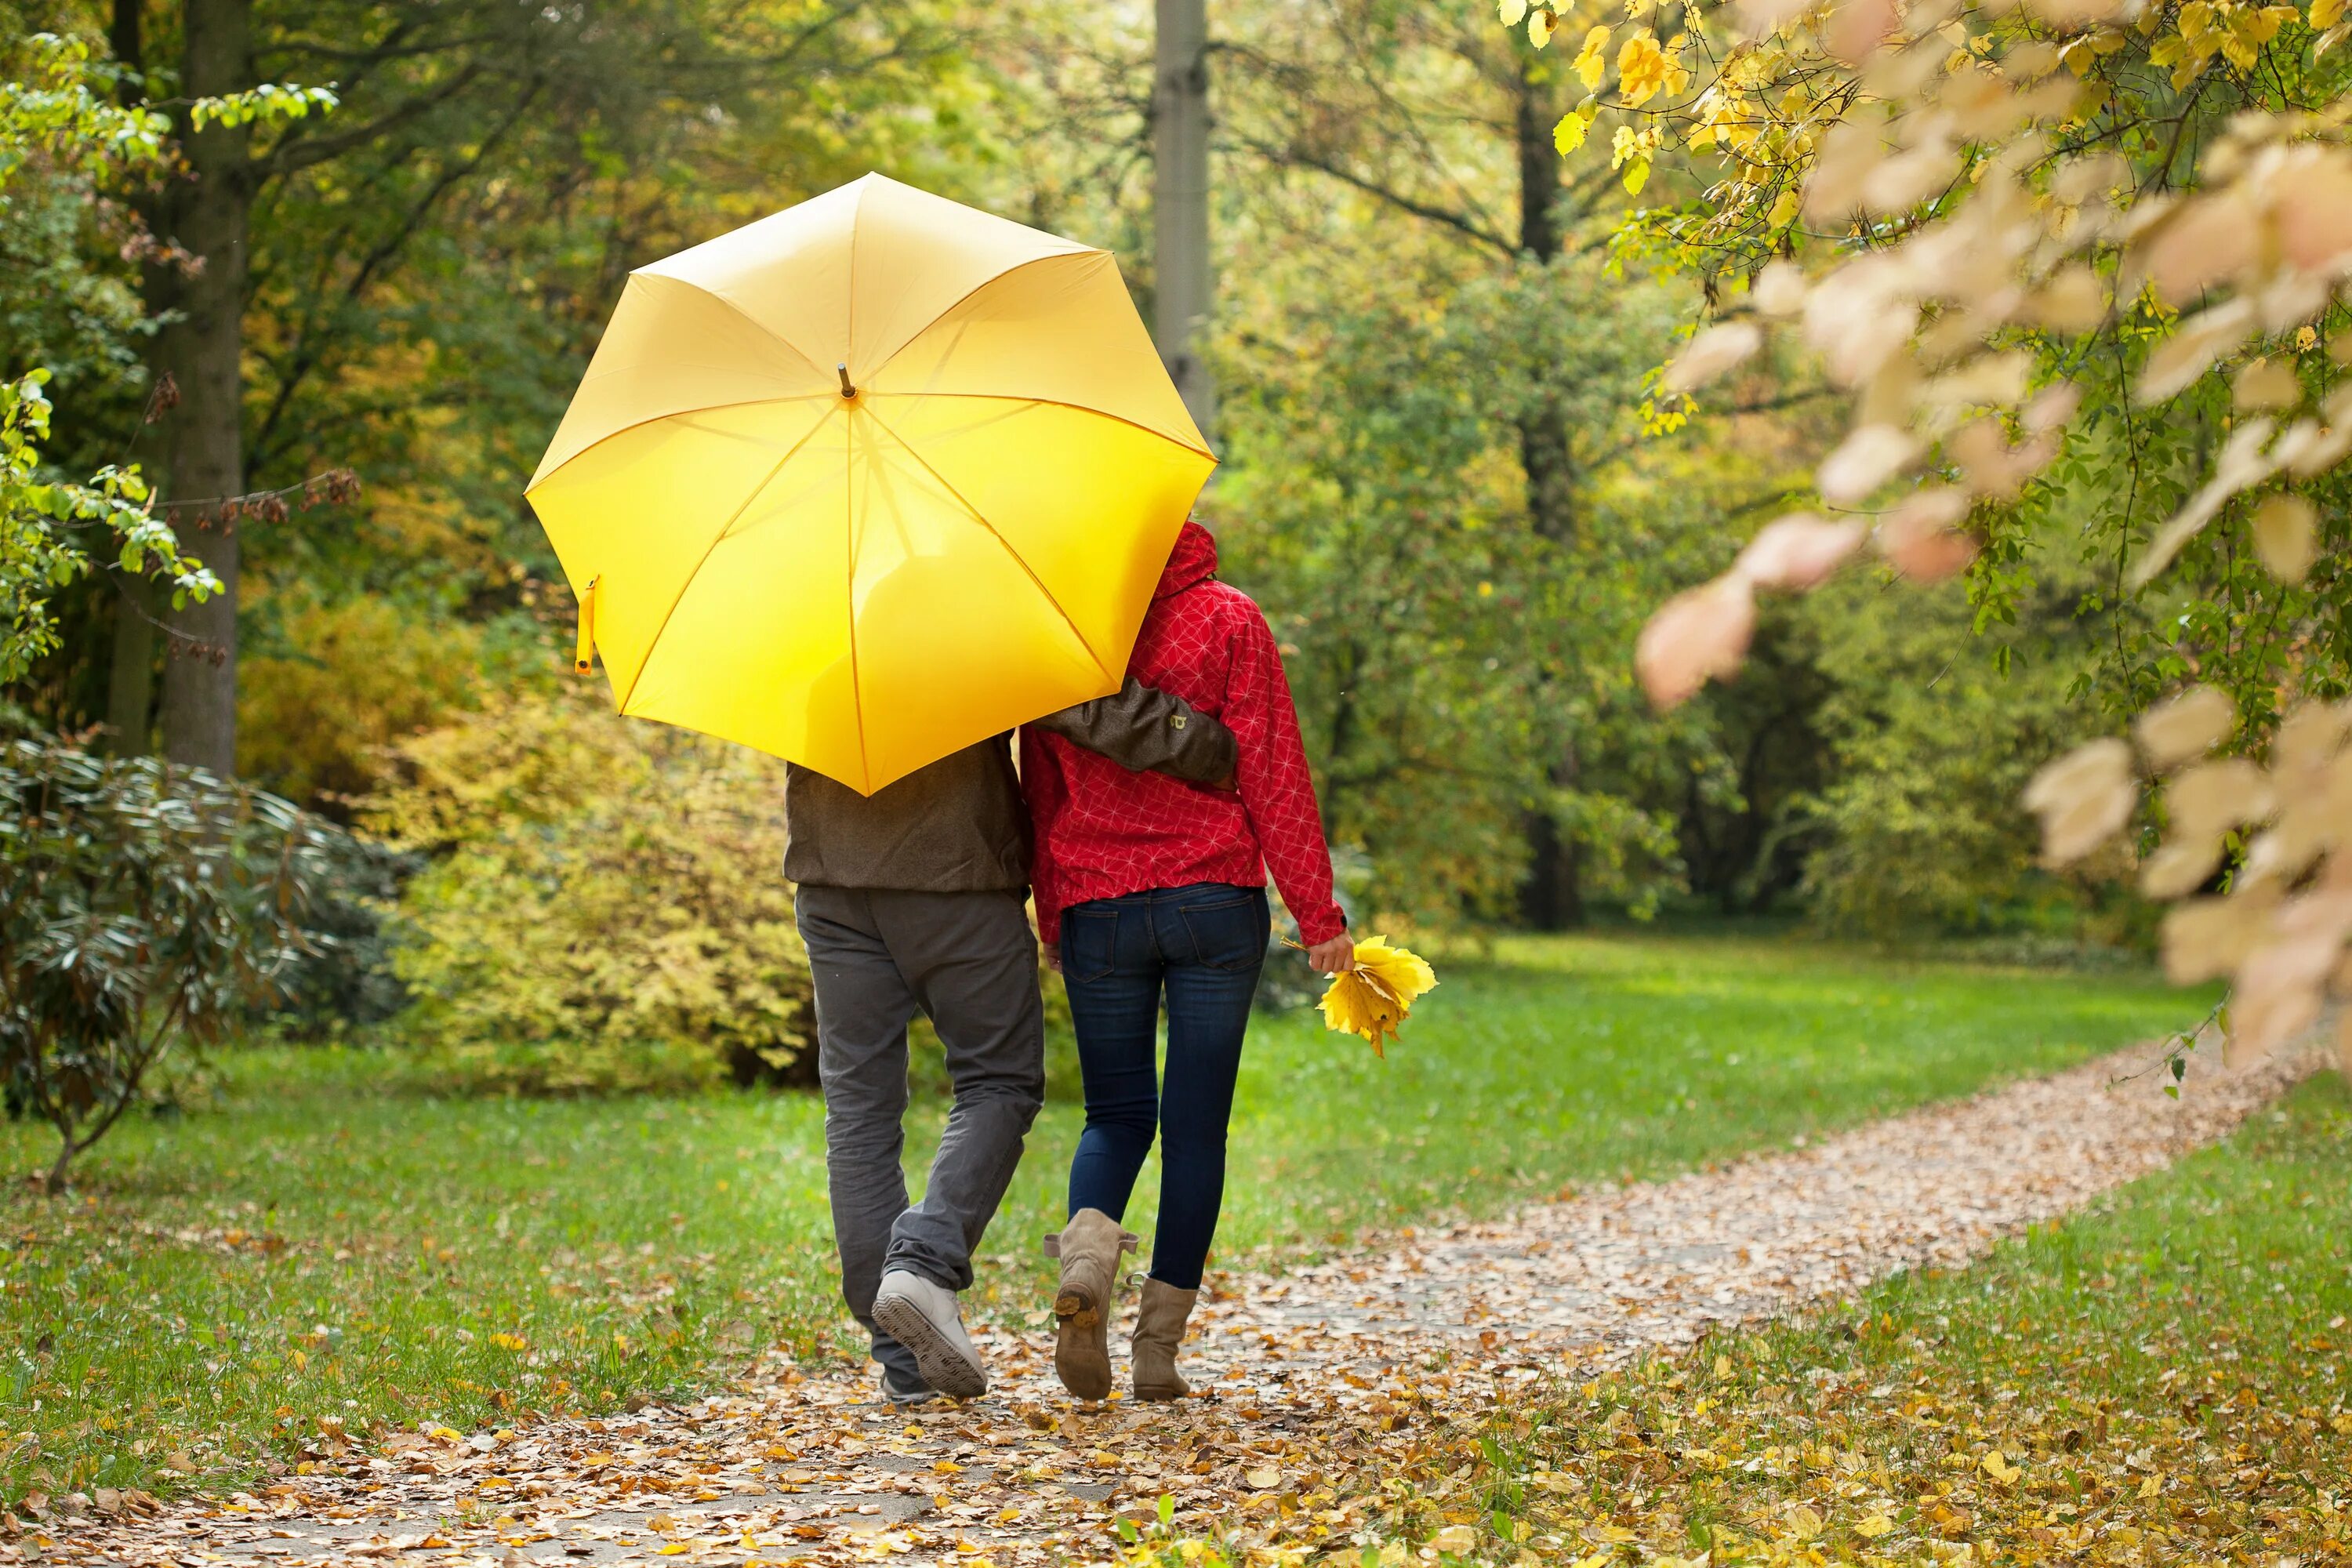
x: 1314, y: 1384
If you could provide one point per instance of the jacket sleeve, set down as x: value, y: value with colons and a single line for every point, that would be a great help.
x: 1042, y: 787
x: 1141, y: 728
x: 1277, y: 789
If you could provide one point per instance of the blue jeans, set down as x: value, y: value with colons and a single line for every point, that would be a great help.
x: 1203, y: 946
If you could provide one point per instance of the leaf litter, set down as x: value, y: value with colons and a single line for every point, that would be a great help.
x: 1344, y: 1406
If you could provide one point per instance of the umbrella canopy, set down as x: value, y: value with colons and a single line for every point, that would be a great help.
x: 868, y: 480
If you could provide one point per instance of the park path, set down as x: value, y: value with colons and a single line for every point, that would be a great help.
x: 1314, y: 1379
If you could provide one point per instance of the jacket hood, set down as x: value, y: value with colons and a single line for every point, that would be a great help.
x: 1193, y: 560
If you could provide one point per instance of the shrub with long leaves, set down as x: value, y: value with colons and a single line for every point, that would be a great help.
x: 142, y: 908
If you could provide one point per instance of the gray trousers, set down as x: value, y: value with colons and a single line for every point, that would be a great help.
x: 969, y: 962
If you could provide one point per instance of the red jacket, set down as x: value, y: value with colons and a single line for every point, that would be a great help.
x: 1103, y: 831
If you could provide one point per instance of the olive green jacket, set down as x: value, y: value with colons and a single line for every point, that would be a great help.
x: 959, y: 826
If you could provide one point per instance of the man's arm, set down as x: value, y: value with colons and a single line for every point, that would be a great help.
x: 1143, y: 729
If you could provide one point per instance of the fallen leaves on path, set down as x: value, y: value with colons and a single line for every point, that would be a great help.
x: 1344, y: 1404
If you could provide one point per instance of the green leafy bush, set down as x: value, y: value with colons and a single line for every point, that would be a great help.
x: 348, y: 985
x: 63, y: 140
x: 1931, y: 743
x: 606, y: 907
x: 142, y: 906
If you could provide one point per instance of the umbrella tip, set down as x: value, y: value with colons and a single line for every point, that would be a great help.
x: 843, y: 372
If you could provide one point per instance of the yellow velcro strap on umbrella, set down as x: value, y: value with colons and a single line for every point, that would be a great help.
x: 584, y: 657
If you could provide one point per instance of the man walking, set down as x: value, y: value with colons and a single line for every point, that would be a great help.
x: 912, y: 898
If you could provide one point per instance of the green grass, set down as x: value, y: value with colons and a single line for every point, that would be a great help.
x: 1561, y: 1061
x: 313, y: 1244
x: 2164, y: 1381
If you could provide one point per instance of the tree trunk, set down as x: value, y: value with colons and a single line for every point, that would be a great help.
x: 1534, y: 113
x: 130, y: 679
x: 1544, y: 452
x: 130, y: 673
x: 54, y: 1184
x: 1552, y: 897
x: 1180, y: 201
x: 125, y: 36
x: 202, y: 439
x: 1550, y: 470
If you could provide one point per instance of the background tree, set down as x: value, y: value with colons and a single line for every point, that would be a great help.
x: 1180, y: 199
x: 2061, y: 255
x: 467, y: 119
x: 60, y: 138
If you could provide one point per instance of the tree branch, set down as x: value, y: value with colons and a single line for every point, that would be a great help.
x: 1294, y: 157
x: 296, y: 151
x: 306, y: 355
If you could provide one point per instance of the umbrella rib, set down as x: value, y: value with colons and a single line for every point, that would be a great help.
x: 753, y: 321
x: 1054, y: 403
x: 1038, y: 582
x: 653, y: 644
x: 850, y: 542
x: 849, y: 318
x: 965, y: 297
x: 622, y: 430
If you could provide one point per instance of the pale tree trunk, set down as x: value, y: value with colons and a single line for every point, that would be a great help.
x: 202, y: 439
x: 1180, y: 201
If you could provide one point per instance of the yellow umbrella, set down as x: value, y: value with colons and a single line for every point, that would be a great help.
x: 868, y: 480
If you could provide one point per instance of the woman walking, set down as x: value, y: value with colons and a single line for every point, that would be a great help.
x: 1149, y: 888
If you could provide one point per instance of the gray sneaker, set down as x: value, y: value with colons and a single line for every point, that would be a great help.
x: 923, y: 1317
x: 905, y: 1396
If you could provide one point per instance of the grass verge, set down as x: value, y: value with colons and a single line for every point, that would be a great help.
x: 2163, y: 1382
x: 314, y: 1246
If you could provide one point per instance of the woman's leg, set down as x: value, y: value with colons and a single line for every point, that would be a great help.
x: 1111, y: 967
x: 1214, y: 938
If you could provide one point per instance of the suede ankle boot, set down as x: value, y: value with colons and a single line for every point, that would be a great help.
x: 1089, y: 1247
x: 1159, y: 1329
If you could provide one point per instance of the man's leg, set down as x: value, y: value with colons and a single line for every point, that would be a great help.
x: 863, y: 1008
x: 973, y: 963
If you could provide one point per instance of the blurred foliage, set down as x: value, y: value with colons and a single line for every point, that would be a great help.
x: 1373, y: 503
x: 321, y: 703
x: 61, y: 140
x: 605, y: 909
x: 2078, y: 272
x: 143, y: 908
x: 1930, y: 744
x: 2145, y: 157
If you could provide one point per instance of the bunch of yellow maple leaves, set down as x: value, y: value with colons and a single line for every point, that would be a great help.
x: 1372, y: 998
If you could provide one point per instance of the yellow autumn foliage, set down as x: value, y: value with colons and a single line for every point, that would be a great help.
x: 1644, y: 70
x: 605, y: 909
x: 1373, y: 998
x: 1591, y: 62
x: 321, y: 700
